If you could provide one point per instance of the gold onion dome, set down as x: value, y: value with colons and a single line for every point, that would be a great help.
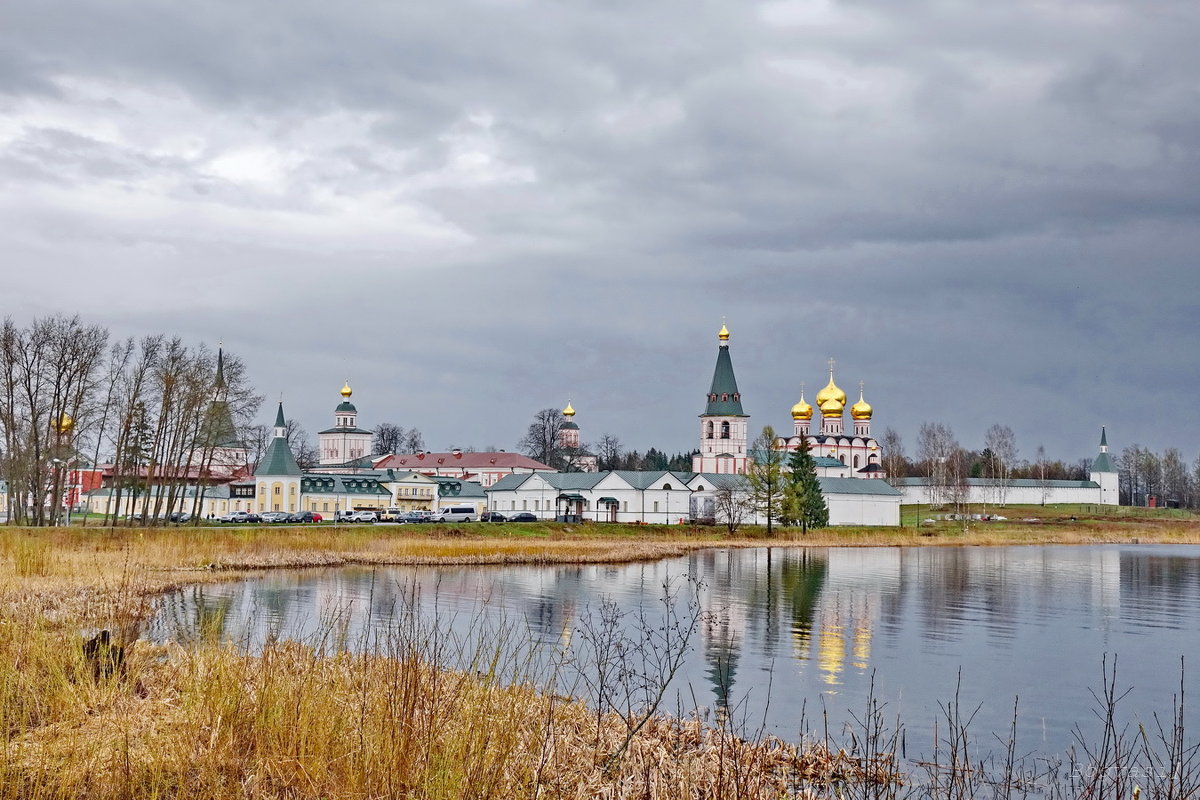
x: 832, y: 407
x: 802, y: 410
x: 568, y: 412
x: 861, y: 409
x: 347, y: 391
x: 831, y: 392
x: 65, y: 423
x: 723, y: 334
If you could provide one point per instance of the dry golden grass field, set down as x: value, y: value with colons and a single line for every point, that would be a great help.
x: 209, y: 721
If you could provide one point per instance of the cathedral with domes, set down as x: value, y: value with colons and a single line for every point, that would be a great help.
x: 724, y: 427
x: 858, y: 450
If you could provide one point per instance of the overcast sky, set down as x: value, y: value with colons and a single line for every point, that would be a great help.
x: 474, y: 210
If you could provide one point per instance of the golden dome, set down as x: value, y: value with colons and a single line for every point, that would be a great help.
x: 832, y: 407
x: 830, y: 392
x: 65, y: 423
x: 861, y: 409
x: 802, y: 410
x: 568, y: 412
x: 723, y: 334
x: 347, y: 391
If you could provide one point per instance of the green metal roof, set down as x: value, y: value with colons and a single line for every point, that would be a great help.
x: 1018, y: 483
x: 341, y: 484
x: 279, y: 459
x: 571, y: 496
x: 612, y: 501
x: 345, y: 407
x: 857, y: 486
x: 728, y: 402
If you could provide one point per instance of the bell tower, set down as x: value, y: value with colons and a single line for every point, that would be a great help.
x: 723, y: 425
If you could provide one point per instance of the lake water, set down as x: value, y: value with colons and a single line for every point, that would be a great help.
x: 797, y: 631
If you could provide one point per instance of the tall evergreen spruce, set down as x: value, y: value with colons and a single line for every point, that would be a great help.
x: 803, y: 503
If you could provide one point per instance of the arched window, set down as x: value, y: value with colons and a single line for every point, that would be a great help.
x: 842, y: 459
x: 724, y: 430
x: 856, y: 462
x: 700, y: 487
x: 666, y: 487
x: 709, y: 435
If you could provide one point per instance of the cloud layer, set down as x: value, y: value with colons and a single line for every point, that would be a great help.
x: 474, y: 210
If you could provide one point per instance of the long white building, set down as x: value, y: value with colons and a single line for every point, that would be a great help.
x: 670, y: 498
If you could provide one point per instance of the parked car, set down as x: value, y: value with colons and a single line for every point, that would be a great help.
x: 363, y: 516
x: 413, y: 517
x: 235, y: 516
x: 491, y: 516
x: 179, y: 516
x: 456, y: 514
x: 274, y: 516
x: 523, y: 516
x: 391, y: 515
x: 303, y: 516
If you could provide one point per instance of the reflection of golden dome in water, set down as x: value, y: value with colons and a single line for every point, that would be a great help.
x: 802, y: 410
x: 861, y: 409
x: 347, y: 391
x: 831, y: 652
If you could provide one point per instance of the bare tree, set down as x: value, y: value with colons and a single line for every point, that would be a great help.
x: 608, y: 452
x: 732, y: 503
x: 48, y: 377
x: 935, y: 446
x: 542, y: 440
x: 388, y: 438
x: 301, y: 444
x: 894, y: 463
x: 1175, y: 477
x: 1041, y: 469
x: 1001, y: 446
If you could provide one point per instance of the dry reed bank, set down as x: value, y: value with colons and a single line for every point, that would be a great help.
x: 208, y: 721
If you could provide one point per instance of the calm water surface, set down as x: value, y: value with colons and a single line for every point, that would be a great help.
x: 792, y: 630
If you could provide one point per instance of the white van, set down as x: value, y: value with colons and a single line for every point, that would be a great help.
x: 456, y: 514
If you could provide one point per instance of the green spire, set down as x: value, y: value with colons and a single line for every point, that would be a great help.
x: 1103, y: 463
x: 724, y: 400
x: 279, y: 459
x: 220, y: 382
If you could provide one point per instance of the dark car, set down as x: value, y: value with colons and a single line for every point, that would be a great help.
x: 491, y: 516
x: 179, y: 516
x: 523, y: 516
x: 303, y: 516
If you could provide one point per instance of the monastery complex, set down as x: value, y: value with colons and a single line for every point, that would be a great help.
x: 348, y: 476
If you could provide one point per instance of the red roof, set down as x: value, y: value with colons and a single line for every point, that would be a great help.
x: 472, y: 461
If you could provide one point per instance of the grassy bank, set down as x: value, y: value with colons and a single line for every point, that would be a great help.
x: 208, y: 721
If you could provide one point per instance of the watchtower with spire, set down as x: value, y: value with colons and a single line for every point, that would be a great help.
x: 277, y: 478
x: 723, y: 425
x: 1105, y: 474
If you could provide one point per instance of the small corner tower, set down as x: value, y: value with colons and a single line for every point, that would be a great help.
x: 1104, y: 474
x: 345, y: 441
x: 723, y: 425
x: 278, y: 475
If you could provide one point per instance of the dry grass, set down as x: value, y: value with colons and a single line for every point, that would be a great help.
x: 209, y: 721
